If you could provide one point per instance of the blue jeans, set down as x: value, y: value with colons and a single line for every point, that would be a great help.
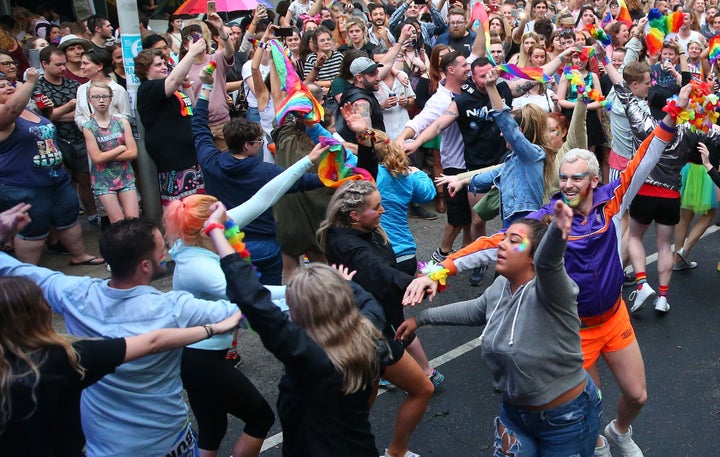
x: 266, y: 257
x: 566, y: 431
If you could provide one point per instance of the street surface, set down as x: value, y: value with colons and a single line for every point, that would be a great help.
x: 680, y: 349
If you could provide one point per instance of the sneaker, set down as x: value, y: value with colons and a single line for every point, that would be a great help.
x: 604, y: 450
x: 419, y: 212
x: 629, y: 280
x: 436, y: 378
x: 624, y: 443
x: 58, y: 248
x: 478, y: 273
x: 384, y: 383
x: 438, y: 256
x: 409, y: 453
x: 641, y: 296
x: 95, y: 220
x: 684, y: 266
x: 662, y: 305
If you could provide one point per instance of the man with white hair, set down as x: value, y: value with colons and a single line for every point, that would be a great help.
x: 593, y: 261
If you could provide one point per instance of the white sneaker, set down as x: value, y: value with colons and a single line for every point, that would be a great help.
x: 662, y: 305
x: 641, y: 296
x: 604, y: 450
x: 624, y: 443
x: 409, y: 453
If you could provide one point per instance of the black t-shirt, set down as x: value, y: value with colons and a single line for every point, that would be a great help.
x: 168, y: 126
x: 60, y: 95
x: 50, y: 425
x: 463, y: 45
x: 484, y: 146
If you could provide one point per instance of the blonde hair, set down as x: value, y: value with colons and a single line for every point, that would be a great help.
x: 389, y: 153
x: 532, y: 121
x: 25, y: 332
x: 184, y: 219
x: 322, y: 303
x: 351, y: 196
x: 524, y: 57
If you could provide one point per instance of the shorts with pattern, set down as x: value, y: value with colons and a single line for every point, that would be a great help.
x: 178, y: 184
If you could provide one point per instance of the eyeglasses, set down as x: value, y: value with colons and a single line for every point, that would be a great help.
x: 565, y: 33
x: 9, y: 63
x: 259, y: 140
x: 100, y: 97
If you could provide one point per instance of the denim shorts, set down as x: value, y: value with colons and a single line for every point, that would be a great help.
x: 55, y: 205
x: 568, y: 430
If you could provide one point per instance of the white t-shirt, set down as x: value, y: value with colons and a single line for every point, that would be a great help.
x: 694, y: 36
x: 543, y: 101
x: 396, y: 117
x: 247, y: 73
x: 296, y: 9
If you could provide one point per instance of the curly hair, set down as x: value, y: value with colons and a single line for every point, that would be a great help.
x: 351, y: 196
x: 144, y: 60
x: 389, y: 153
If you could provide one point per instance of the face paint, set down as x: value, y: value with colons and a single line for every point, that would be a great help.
x: 524, y: 245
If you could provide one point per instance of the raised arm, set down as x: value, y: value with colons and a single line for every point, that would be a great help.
x: 440, y: 124
x: 11, y: 110
x: 259, y: 88
x: 176, y: 77
x: 216, y: 21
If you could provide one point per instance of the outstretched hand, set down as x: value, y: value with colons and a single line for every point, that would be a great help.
x: 406, y: 329
x: 416, y: 290
x: 563, y: 218
x: 353, y: 120
x: 317, y: 152
x: 684, y: 96
x: 13, y: 220
x: 227, y: 325
x: 345, y: 272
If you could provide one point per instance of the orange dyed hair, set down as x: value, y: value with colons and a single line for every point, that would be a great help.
x: 184, y: 219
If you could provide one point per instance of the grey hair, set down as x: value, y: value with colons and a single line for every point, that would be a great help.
x: 576, y: 154
x: 351, y: 196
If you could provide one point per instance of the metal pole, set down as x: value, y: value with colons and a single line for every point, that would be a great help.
x: 131, y: 46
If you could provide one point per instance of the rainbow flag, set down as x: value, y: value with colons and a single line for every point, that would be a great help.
x: 598, y: 34
x: 529, y: 73
x: 586, y: 53
x: 606, y: 20
x: 624, y: 14
x: 480, y: 15
x: 714, y: 45
x: 333, y: 171
x: 674, y: 21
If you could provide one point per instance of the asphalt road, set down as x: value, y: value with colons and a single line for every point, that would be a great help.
x: 680, y: 350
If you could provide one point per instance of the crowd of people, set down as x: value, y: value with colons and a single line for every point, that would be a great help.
x: 565, y: 120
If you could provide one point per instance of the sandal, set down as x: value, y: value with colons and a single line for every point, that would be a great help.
x: 93, y: 261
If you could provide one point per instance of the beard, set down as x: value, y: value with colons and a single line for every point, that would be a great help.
x: 457, y: 33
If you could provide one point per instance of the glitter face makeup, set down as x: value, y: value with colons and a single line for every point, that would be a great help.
x: 523, y: 245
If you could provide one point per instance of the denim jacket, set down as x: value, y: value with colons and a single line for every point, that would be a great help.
x: 520, y: 179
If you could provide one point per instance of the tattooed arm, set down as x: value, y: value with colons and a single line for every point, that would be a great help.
x: 520, y: 87
x: 362, y: 107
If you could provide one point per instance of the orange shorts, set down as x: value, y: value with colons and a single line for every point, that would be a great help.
x: 612, y: 335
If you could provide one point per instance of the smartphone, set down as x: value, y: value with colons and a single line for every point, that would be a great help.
x: 283, y: 31
x: 34, y: 59
x: 195, y: 37
x: 211, y: 8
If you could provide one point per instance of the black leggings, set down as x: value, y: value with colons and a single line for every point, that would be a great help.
x: 215, y: 388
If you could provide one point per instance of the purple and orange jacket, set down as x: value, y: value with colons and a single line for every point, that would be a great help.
x: 592, y: 258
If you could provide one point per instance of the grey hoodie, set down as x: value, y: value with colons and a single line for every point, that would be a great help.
x: 531, y: 341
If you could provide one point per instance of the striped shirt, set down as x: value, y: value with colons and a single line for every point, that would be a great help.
x: 328, y: 71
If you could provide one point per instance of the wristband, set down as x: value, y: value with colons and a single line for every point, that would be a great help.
x: 209, y: 330
x: 605, y: 60
x: 213, y: 226
x: 226, y: 38
x: 209, y: 87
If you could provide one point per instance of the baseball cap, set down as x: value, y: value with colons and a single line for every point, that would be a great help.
x: 70, y: 40
x: 363, y: 65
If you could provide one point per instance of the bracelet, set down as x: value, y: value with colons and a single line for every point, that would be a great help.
x: 213, y: 226
x: 209, y: 330
x: 261, y: 45
x: 226, y: 38
x: 209, y: 87
x: 188, y: 85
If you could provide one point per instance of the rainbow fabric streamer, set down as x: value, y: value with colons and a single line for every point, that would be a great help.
x: 658, y: 26
x: 529, y: 73
x: 586, y: 53
x: 624, y: 14
x: 479, y: 17
x: 299, y: 98
x: 575, y: 78
x: 333, y: 171
x: 598, y: 34
x: 714, y: 46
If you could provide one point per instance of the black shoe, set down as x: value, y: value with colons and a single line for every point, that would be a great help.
x: 478, y: 273
x: 629, y: 280
x: 58, y: 248
x: 419, y: 212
